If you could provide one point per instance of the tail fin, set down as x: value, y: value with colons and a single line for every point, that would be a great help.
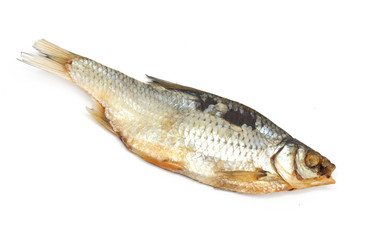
x: 50, y: 57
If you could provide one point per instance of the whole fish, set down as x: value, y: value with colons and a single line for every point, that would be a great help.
x: 210, y: 139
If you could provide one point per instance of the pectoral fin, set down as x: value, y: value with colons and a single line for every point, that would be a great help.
x: 242, y: 176
x: 251, y: 182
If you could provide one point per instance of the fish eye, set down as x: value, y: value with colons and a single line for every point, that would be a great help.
x: 312, y: 159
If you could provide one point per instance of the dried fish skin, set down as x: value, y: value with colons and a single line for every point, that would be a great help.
x: 203, y: 136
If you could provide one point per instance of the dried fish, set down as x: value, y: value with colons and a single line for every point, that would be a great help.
x: 208, y: 138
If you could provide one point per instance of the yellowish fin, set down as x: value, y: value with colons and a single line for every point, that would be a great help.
x: 50, y: 57
x: 244, y: 176
x: 98, y: 112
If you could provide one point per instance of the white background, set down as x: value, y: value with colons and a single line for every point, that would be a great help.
x: 300, y: 63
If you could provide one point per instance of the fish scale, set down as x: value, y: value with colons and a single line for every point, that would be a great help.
x: 208, y: 138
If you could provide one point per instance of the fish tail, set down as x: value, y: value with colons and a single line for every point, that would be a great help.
x: 49, y: 57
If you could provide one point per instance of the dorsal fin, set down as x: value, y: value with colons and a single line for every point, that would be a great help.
x: 174, y: 86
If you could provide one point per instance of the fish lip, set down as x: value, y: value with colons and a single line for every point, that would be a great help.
x: 331, y: 180
x: 313, y: 182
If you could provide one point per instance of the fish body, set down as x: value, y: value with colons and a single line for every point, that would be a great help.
x: 208, y: 138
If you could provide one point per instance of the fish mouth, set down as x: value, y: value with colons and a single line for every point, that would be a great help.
x: 306, y: 183
x: 326, y: 168
x: 296, y: 183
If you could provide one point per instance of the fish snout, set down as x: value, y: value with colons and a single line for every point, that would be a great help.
x: 326, y: 167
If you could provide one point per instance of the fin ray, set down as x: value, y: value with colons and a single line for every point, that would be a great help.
x: 244, y: 176
x: 46, y: 64
x: 174, y: 86
x: 53, y: 51
x: 251, y: 182
x: 98, y: 113
x: 50, y: 58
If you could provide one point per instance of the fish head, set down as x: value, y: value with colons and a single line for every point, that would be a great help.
x: 302, y: 167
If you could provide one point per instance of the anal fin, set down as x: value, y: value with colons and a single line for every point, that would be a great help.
x: 98, y: 112
x: 165, y: 164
